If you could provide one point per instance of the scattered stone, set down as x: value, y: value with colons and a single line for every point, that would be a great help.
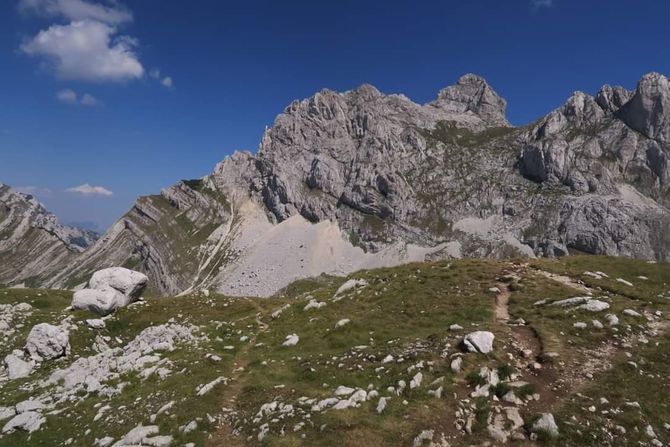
x: 416, y: 381
x: 142, y: 435
x: 342, y: 322
x: 291, y: 340
x: 455, y: 327
x: 204, y: 389
x: 351, y: 284
x: 188, y: 428
x: 425, y: 435
x: 96, y: 323
x: 456, y: 364
x: 381, y: 405
x: 314, y: 304
x: 594, y: 306
x: 547, y: 424
x: 612, y: 319
x: 631, y: 313
x: 344, y: 391
x: 623, y: 281
x: 568, y: 302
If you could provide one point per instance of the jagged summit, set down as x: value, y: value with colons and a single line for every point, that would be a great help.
x: 473, y: 94
x: 648, y: 110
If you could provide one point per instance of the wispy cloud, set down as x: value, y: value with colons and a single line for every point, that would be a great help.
x: 89, y: 100
x: 539, y: 4
x: 89, y: 190
x: 111, y: 12
x: 166, y: 81
x: 69, y: 96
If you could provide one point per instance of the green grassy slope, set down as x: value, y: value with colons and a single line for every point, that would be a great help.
x: 404, y: 312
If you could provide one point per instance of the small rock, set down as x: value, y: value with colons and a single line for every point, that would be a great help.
x: 96, y: 323
x: 291, y: 340
x: 547, y: 424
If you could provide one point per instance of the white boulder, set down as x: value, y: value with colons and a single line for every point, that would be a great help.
x: 17, y: 367
x: 47, y: 342
x: 594, y: 306
x: 110, y: 289
x: 479, y: 341
x: 130, y: 283
x: 102, y: 302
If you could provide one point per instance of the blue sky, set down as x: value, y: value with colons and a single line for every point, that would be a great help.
x: 95, y: 117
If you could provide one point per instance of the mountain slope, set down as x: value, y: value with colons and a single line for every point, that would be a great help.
x: 351, y: 180
x: 32, y: 242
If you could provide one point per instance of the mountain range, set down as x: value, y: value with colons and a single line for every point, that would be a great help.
x: 361, y: 179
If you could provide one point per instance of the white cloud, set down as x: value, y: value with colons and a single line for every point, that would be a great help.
x: 88, y: 190
x: 67, y: 96
x: 537, y: 4
x: 110, y: 12
x: 89, y: 100
x: 86, y: 50
x: 165, y: 81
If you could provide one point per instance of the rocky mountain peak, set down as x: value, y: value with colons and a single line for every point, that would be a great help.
x: 611, y: 98
x: 648, y: 111
x: 473, y: 94
x: 366, y: 92
x: 580, y: 110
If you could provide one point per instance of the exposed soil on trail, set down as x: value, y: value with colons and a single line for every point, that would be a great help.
x: 225, y: 436
x: 502, y: 302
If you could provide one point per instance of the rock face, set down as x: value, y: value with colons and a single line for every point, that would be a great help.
x: 110, y: 289
x: 32, y: 242
x: 47, y: 342
x: 361, y: 179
